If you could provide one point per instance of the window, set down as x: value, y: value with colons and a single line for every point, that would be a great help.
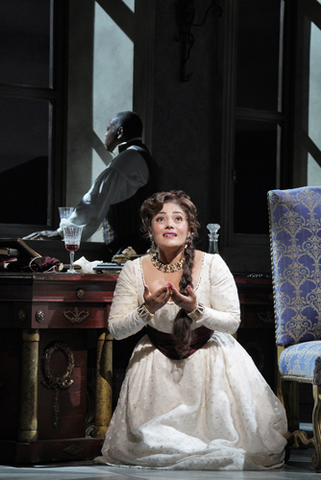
x: 101, y: 61
x: 259, y: 112
x: 31, y: 113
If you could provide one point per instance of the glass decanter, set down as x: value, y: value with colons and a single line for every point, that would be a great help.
x: 213, y: 228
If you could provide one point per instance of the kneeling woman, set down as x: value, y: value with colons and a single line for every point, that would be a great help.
x: 192, y: 397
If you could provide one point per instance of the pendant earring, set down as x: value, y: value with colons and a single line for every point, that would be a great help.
x: 153, y: 245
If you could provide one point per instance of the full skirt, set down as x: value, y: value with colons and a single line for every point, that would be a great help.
x: 211, y: 411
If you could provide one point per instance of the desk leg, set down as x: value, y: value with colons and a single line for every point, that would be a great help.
x: 28, y: 429
x: 103, y: 384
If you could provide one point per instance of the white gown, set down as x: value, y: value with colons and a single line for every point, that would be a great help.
x: 210, y: 411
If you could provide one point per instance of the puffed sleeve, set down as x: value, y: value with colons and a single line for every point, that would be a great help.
x: 124, y: 319
x: 222, y: 308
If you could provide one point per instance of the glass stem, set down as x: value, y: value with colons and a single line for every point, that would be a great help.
x: 72, y: 256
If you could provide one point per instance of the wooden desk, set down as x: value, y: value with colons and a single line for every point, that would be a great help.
x: 256, y: 300
x: 55, y: 375
x: 257, y: 330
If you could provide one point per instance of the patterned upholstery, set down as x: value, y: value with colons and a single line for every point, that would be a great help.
x: 295, y: 227
x: 295, y: 235
x: 302, y: 362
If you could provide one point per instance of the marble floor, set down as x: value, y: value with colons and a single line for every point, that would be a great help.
x: 298, y: 468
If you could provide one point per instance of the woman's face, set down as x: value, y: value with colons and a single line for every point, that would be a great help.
x: 170, y: 227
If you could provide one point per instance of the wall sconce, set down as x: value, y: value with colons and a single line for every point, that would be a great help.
x: 185, y: 12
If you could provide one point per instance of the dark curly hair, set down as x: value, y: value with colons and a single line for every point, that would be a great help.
x: 182, y: 324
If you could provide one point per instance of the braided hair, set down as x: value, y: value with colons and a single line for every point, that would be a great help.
x: 182, y: 332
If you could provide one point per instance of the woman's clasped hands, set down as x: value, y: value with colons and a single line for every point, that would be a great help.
x: 155, y: 301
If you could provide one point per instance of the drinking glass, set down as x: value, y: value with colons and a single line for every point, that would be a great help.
x: 65, y: 212
x: 72, y: 237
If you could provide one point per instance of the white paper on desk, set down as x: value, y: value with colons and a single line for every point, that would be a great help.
x: 86, y: 266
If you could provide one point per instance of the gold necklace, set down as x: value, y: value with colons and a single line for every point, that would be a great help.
x: 166, y: 267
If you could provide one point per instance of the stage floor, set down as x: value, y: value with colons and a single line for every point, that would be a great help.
x: 298, y: 468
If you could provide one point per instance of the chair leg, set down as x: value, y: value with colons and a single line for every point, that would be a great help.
x: 291, y: 403
x: 316, y: 421
x: 290, y: 392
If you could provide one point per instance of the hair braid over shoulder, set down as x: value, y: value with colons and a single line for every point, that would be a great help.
x: 182, y: 332
x: 186, y: 278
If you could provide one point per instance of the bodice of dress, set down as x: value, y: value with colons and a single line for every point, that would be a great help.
x: 216, y: 289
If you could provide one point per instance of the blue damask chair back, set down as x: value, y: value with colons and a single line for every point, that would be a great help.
x: 295, y: 237
x: 295, y: 217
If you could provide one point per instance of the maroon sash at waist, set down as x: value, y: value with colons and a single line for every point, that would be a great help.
x: 165, y: 344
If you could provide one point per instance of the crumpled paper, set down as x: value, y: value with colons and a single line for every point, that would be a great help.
x: 86, y: 266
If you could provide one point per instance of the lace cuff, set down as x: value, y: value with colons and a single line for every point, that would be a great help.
x: 143, y: 313
x: 197, y: 313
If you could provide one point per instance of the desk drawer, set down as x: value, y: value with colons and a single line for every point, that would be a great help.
x: 68, y: 292
x: 69, y: 315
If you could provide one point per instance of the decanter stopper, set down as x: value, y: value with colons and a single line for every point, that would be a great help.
x: 213, y: 228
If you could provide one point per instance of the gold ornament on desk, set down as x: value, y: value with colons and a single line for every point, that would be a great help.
x: 127, y: 254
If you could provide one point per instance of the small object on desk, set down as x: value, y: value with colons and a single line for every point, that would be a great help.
x: 8, y: 252
x: 17, y: 244
x: 16, y: 254
x: 87, y: 266
x: 65, y: 267
x: 127, y: 254
x: 108, y: 267
x: 45, y: 264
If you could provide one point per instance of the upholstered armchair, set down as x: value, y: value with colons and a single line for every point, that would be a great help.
x: 295, y: 236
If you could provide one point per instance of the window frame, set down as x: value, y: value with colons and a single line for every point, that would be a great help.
x: 56, y: 95
x: 238, y: 243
